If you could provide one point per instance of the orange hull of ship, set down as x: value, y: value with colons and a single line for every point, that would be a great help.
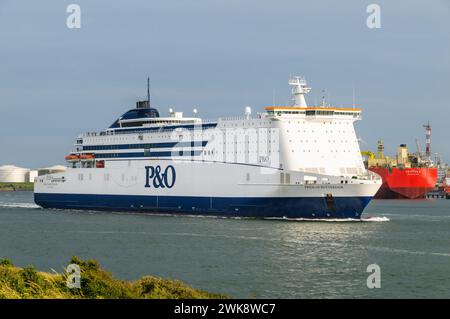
x: 408, y: 183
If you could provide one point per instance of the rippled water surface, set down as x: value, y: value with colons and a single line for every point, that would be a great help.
x: 409, y: 240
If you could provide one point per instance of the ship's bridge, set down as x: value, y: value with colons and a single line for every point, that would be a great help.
x: 142, y: 112
x: 313, y: 112
x: 173, y: 119
x: 143, y: 116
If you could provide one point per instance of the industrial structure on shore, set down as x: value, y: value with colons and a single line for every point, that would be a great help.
x: 14, y: 174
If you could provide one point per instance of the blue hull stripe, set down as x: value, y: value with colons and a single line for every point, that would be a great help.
x: 144, y: 145
x: 290, y: 207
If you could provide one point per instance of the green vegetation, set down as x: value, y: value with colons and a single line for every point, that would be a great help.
x: 16, y: 186
x: 95, y: 283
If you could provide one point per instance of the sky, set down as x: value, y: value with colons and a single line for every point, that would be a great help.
x: 218, y: 56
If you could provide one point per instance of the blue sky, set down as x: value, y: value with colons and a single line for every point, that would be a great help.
x: 218, y: 56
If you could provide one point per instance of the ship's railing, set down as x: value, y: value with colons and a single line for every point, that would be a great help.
x: 205, y: 121
x: 240, y: 118
x: 195, y: 126
x: 101, y: 133
x: 141, y: 130
x: 232, y: 118
x: 209, y: 121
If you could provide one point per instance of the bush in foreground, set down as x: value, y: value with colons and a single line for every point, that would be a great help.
x: 95, y: 283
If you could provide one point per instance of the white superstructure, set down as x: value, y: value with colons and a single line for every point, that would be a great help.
x: 290, y: 161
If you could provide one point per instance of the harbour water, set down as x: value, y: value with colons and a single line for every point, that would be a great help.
x: 409, y: 240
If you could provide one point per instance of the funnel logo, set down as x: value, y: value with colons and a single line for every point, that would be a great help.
x: 157, y: 178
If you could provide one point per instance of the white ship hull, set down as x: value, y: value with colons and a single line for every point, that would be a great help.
x: 204, y: 188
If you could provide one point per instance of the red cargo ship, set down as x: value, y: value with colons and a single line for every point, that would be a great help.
x: 407, y: 183
x: 406, y: 176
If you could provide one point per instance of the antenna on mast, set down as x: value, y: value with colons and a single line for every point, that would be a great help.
x: 419, y: 152
x: 145, y: 104
x: 428, y: 144
x: 354, y: 101
x: 148, y: 91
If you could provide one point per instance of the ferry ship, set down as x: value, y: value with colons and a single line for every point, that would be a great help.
x: 290, y: 161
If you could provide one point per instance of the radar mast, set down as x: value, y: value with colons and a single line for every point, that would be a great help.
x: 299, y: 89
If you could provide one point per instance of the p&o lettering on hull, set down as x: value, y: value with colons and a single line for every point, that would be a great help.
x: 156, y: 178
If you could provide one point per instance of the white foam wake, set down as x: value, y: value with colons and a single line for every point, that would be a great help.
x: 19, y: 205
x: 375, y: 219
x: 333, y: 220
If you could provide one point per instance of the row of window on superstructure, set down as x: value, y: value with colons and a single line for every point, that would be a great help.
x: 314, y: 112
x: 141, y: 123
x: 146, y: 145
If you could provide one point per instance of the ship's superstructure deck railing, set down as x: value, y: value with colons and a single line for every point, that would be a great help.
x: 159, y: 128
x: 272, y: 112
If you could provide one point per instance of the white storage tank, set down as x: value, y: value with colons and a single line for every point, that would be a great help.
x: 13, y: 174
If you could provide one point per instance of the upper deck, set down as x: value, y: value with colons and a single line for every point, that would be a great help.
x: 313, y: 139
x: 164, y: 124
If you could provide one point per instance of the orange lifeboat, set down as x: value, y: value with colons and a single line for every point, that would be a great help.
x: 72, y: 157
x: 100, y: 164
x: 87, y: 157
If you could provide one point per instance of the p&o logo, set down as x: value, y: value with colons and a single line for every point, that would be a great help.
x: 160, y: 179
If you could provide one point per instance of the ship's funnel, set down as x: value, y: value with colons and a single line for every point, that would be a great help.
x: 142, y: 105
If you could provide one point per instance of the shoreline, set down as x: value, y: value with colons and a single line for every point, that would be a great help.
x: 16, y: 187
x: 94, y: 283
